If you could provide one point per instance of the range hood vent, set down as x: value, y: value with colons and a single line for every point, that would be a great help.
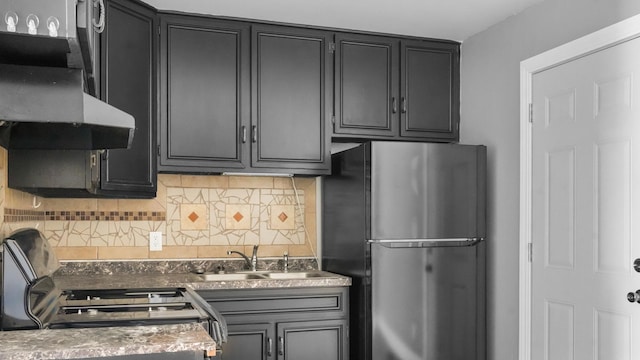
x: 46, y: 108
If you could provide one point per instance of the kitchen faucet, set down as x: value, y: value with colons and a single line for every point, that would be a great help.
x: 251, y: 263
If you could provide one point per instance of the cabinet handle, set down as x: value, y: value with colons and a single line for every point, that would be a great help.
x: 394, y: 106
x: 244, y: 134
x: 281, y: 347
x: 269, y: 347
x: 254, y: 134
x: 404, y: 105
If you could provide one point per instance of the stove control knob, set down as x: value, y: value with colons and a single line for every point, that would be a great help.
x: 53, y: 25
x: 11, y: 19
x: 32, y: 24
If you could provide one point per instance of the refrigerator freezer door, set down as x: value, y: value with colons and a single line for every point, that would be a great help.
x: 427, y: 191
x: 427, y: 304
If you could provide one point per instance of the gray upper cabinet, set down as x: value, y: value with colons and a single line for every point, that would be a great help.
x: 204, y: 74
x: 228, y: 106
x: 128, y: 82
x: 392, y: 88
x: 292, y: 97
x: 430, y: 90
x: 366, y: 85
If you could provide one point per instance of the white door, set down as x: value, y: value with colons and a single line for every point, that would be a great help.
x: 586, y: 207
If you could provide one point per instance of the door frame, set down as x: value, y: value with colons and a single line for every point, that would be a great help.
x: 607, y: 37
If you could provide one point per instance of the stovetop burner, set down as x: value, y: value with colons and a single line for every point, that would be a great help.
x: 31, y: 299
x: 115, y: 306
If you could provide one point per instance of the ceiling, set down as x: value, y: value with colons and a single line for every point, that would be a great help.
x: 442, y: 19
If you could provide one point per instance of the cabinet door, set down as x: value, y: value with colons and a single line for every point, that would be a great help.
x: 249, y: 341
x: 204, y: 93
x: 313, y: 340
x: 430, y: 90
x: 128, y: 82
x: 291, y: 82
x: 366, y: 85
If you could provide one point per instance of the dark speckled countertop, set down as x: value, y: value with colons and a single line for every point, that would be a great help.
x: 100, y: 281
x: 100, y: 342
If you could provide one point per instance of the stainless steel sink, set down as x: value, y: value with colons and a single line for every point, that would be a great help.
x: 297, y: 275
x: 262, y: 275
x: 231, y: 276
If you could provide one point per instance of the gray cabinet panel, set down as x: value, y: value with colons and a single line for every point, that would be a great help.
x: 366, y: 85
x: 208, y: 72
x: 429, y: 103
x: 291, y: 93
x: 314, y: 340
x: 249, y: 341
x: 128, y: 82
x: 204, y: 74
x: 394, y: 88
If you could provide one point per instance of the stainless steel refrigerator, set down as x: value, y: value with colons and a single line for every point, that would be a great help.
x: 407, y: 222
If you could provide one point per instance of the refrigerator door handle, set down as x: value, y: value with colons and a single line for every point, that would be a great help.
x: 425, y: 243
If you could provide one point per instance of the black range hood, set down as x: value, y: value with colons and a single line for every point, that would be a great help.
x: 47, y: 108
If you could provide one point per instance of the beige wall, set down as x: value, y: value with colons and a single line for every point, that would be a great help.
x: 199, y: 217
x: 490, y: 115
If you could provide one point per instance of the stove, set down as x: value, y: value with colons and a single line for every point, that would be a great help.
x: 30, y: 298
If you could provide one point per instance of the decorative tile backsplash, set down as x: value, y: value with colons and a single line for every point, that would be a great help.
x: 224, y: 217
x: 200, y: 217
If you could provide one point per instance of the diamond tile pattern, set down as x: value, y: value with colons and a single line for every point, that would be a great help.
x: 282, y: 217
x: 238, y: 217
x: 193, y: 217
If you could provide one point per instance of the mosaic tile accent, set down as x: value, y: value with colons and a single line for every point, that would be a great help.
x: 180, y: 230
x: 224, y: 227
x: 273, y: 230
x: 19, y: 215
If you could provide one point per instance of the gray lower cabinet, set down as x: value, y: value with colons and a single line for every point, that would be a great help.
x: 293, y: 324
x: 312, y: 340
x: 249, y: 341
x: 182, y: 355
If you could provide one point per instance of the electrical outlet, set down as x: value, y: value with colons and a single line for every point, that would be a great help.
x: 155, y: 241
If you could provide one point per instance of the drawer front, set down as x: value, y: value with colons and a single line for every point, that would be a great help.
x: 268, y: 301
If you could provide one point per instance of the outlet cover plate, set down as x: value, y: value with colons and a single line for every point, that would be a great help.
x: 155, y: 241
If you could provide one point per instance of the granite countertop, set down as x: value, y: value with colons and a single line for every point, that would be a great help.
x: 99, y: 342
x: 195, y: 281
x: 115, y: 341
